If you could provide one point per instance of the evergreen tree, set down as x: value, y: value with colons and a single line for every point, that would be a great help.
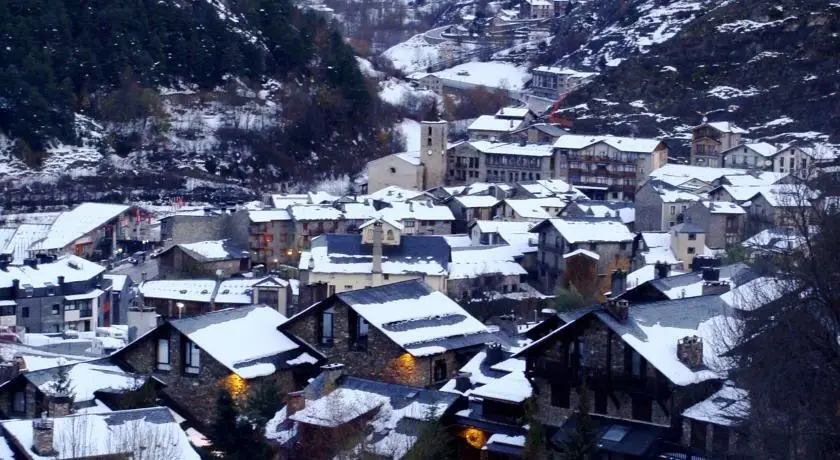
x: 582, y: 443
x: 535, y: 440
x: 434, y: 442
x: 265, y: 400
x: 233, y: 434
x: 62, y: 386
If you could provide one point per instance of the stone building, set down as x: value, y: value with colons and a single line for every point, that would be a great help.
x: 406, y: 333
x: 415, y: 169
x: 643, y: 366
x: 490, y: 161
x: 271, y: 237
x: 232, y: 350
x: 204, y: 225
x: 752, y: 155
x: 721, y: 221
x: 540, y: 133
x: 660, y: 206
x: 608, y: 239
x: 219, y: 258
x: 555, y: 82
x: 711, y: 139
x: 46, y: 295
x: 479, y: 272
x: 501, y: 125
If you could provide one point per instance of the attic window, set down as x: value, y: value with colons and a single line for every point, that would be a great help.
x: 204, y: 291
x: 183, y: 291
x: 615, y: 434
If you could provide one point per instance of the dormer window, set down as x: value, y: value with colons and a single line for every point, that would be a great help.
x: 192, y: 356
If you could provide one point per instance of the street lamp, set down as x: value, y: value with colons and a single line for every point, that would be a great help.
x: 180, y: 306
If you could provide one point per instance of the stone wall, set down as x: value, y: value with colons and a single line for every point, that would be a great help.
x: 648, y: 210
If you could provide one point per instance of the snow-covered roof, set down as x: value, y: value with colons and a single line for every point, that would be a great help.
x: 359, y: 211
x: 74, y: 224
x: 283, y: 201
x: 513, y: 112
x: 39, y: 218
x: 648, y: 272
x: 535, y: 208
x: 139, y: 433
x: 240, y: 291
x: 392, y: 223
x: 560, y: 187
x: 742, y: 193
x: 215, y: 250
x: 17, y: 240
x: 513, y: 387
x: 468, y: 263
x: 491, y: 123
x: 269, y: 215
x: 675, y: 174
x: 117, y: 281
x: 724, y: 127
x: 394, y: 193
x: 314, y: 212
x: 86, y: 296
x: 321, y: 197
x: 513, y: 148
x: 411, y: 157
x: 266, y: 350
x: 88, y: 378
x: 488, y: 74
x: 577, y: 231
x: 335, y: 253
x: 691, y: 284
x: 477, y: 201
x: 624, y: 211
x: 584, y: 252
x: 653, y: 330
x: 676, y: 195
x: 774, y: 239
x: 457, y: 241
x: 71, y: 267
x: 755, y: 178
x: 192, y: 290
x: 785, y: 195
x: 503, y: 226
x: 420, y: 320
x: 563, y: 71
x: 623, y: 144
x: 723, y: 207
x: 755, y: 293
x: 417, y: 210
x: 726, y: 407
x: 762, y: 148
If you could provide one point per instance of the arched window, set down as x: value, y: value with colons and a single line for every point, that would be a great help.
x: 389, y: 235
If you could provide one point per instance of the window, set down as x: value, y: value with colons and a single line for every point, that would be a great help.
x: 692, y: 236
x: 163, y: 355
x: 360, y: 332
x: 408, y: 223
x: 622, y: 246
x: 673, y: 210
x: 191, y: 358
x: 389, y: 235
x: 348, y: 287
x: 56, y: 309
x: 560, y: 395
x: 690, y: 250
x: 439, y: 371
x: 393, y: 170
x: 24, y: 312
x: 671, y: 223
x: 634, y: 365
x: 593, y: 246
x: 19, y: 402
x: 386, y: 276
x: 327, y: 336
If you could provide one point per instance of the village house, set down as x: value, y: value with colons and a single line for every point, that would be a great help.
x: 779, y: 206
x: 540, y: 133
x: 313, y: 220
x: 419, y: 216
x: 220, y: 258
x: 192, y: 226
x: 99, y: 384
x: 271, y: 237
x: 381, y: 254
x: 337, y: 413
x: 608, y: 167
x: 703, y: 281
x: 711, y: 139
x: 501, y: 125
x: 233, y: 350
x: 47, y: 295
x: 751, y: 155
x: 122, y: 297
x: 479, y: 272
x: 674, y: 249
x: 416, y: 169
x: 407, y: 333
x: 714, y: 425
x: 151, y: 432
x: 517, y: 235
x: 179, y: 298
x: 660, y: 206
x: 531, y: 209
x: 721, y: 221
x: 494, y: 161
x: 468, y: 208
x: 623, y: 210
x: 606, y: 241
x: 545, y: 188
x: 643, y: 366
x: 536, y: 9
x: 555, y: 82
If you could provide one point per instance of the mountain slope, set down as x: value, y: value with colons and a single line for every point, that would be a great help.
x: 244, y: 90
x: 768, y: 66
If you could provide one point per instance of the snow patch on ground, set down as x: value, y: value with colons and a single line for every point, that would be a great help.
x: 728, y: 92
x: 747, y: 25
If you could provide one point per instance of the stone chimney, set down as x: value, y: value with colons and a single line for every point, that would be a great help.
x: 332, y: 373
x: 619, y: 309
x: 377, y: 249
x: 618, y: 283
x: 715, y: 287
x: 60, y: 405
x: 295, y: 402
x: 494, y: 354
x: 42, y: 436
x: 661, y: 270
x: 463, y: 381
x: 690, y: 351
x: 711, y: 274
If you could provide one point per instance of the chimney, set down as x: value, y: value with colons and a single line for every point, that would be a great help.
x: 711, y: 274
x: 332, y: 373
x: 15, y: 288
x: 32, y: 263
x: 5, y: 260
x: 410, y: 206
x: 661, y: 270
x: 619, y: 309
x: 463, y: 381
x: 523, y: 142
x: 618, y: 283
x: 690, y: 351
x: 494, y: 354
x: 295, y: 402
x: 60, y: 280
x: 715, y: 287
x: 377, y: 247
x: 42, y: 436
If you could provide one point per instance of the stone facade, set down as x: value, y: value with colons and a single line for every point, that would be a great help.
x: 177, y: 263
x: 474, y: 288
x: 270, y: 241
x: 196, y: 394
x: 708, y: 143
x: 394, y: 170
x: 381, y: 359
x: 722, y: 230
x: 181, y: 229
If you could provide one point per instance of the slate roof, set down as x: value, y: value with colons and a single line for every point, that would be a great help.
x: 88, y: 378
x: 347, y: 254
x: 690, y: 284
x: 417, y: 318
x: 212, y: 251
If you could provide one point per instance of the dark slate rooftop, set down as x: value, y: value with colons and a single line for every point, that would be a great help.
x: 412, y: 248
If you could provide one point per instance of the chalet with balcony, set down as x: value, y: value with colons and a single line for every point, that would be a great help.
x: 711, y: 139
x: 405, y: 333
x: 231, y: 349
x: 271, y: 237
x: 608, y: 167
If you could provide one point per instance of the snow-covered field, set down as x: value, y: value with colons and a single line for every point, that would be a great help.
x: 501, y: 75
x: 417, y: 54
